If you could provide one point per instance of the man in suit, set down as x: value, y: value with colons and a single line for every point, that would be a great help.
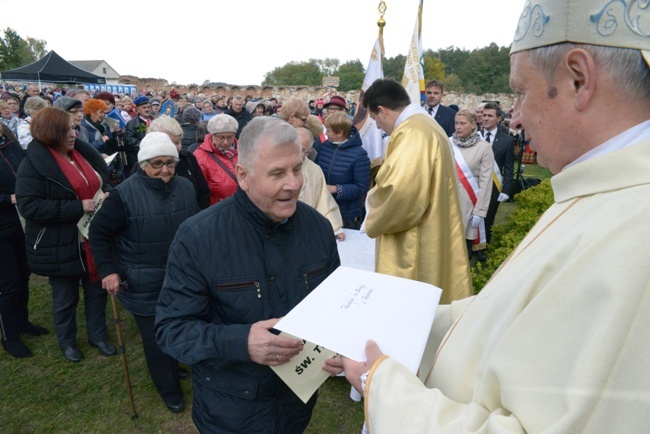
x: 503, y: 146
x: 445, y: 116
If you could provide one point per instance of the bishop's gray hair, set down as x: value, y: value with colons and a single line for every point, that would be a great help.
x: 627, y: 66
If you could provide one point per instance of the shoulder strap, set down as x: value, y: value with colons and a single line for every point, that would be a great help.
x: 223, y: 166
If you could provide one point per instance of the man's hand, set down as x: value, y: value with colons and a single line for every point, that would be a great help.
x: 265, y: 348
x: 502, y: 197
x: 333, y: 366
x: 340, y: 237
x: 111, y: 283
x: 13, y: 199
x: 354, y: 370
x: 476, y: 221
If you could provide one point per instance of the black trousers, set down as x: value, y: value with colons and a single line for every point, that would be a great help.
x: 162, y: 368
x: 492, y: 212
x: 65, y: 297
x: 14, y: 285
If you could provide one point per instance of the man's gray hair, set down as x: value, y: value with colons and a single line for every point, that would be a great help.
x: 272, y: 131
x: 627, y: 66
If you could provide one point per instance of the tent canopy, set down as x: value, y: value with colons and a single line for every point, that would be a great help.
x: 52, y: 68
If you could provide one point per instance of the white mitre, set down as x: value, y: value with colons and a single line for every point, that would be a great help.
x: 612, y: 23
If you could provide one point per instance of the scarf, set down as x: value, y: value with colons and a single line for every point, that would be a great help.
x: 98, y: 126
x: 468, y: 141
x: 83, y: 188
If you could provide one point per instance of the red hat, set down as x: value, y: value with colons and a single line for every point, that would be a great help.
x: 106, y: 96
x: 174, y: 94
x: 337, y: 100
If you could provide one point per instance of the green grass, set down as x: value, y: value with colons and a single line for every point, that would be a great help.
x: 47, y: 394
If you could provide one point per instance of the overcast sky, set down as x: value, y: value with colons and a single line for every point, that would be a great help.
x: 238, y: 41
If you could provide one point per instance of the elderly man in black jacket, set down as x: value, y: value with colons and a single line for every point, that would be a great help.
x: 136, y: 129
x: 233, y: 270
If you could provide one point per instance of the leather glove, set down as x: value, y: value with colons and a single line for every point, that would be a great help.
x: 476, y: 221
x: 502, y: 197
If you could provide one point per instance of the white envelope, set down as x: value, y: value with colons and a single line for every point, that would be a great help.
x: 352, y: 306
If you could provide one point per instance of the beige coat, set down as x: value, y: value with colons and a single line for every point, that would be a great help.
x: 557, y: 342
x: 315, y: 194
x: 480, y: 160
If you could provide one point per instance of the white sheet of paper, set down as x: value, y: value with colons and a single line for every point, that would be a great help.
x: 303, y: 373
x: 110, y: 159
x: 357, y: 251
x: 352, y: 306
x: 84, y: 223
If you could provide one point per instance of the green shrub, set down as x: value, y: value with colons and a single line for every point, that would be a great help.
x: 531, y: 204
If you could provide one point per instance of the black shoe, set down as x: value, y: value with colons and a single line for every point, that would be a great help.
x: 480, y: 255
x: 17, y: 348
x: 34, y: 330
x: 183, y: 374
x: 72, y: 353
x: 175, y: 405
x: 105, y: 348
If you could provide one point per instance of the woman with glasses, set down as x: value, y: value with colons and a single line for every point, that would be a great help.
x: 217, y: 156
x: 8, y: 118
x: 187, y: 166
x: 130, y: 237
x: 55, y: 186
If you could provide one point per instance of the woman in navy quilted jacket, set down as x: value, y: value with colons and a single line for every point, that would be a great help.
x: 346, y: 168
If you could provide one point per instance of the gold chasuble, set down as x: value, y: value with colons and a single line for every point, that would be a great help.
x: 414, y: 211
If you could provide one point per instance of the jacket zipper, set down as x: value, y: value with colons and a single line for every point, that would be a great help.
x: 241, y: 285
x: 39, y: 236
x: 311, y: 274
x: 78, y: 244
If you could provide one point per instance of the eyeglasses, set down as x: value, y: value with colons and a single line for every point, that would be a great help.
x: 159, y: 164
x: 304, y: 120
x: 216, y: 138
x: 76, y: 110
x: 307, y: 151
x: 334, y: 108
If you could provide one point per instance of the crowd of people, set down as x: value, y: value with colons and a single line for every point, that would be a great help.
x: 155, y: 160
x: 219, y: 215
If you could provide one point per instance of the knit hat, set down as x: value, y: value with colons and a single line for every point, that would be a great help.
x: 191, y: 115
x: 66, y: 103
x: 222, y: 123
x: 337, y: 100
x: 156, y: 144
x: 141, y: 100
x: 594, y: 22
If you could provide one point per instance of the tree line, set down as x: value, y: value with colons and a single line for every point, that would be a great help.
x: 16, y: 51
x: 478, y: 71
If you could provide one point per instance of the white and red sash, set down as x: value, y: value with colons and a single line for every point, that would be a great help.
x: 469, y: 183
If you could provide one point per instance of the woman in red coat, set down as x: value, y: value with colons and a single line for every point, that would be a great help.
x: 217, y: 157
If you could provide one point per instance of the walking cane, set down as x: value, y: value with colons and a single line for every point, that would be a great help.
x: 122, y: 350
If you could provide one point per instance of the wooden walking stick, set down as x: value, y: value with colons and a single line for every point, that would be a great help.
x: 122, y: 351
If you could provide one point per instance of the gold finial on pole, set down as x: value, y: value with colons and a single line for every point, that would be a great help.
x: 381, y: 23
